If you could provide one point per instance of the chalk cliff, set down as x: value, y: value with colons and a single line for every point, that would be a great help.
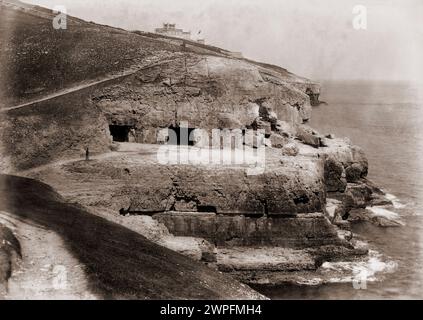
x: 65, y: 90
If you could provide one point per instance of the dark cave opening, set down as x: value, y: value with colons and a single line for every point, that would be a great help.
x: 206, y: 209
x: 120, y: 133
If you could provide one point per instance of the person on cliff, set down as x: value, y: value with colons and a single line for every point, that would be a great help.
x: 87, y: 154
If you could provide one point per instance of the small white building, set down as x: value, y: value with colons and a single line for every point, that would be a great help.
x: 169, y: 29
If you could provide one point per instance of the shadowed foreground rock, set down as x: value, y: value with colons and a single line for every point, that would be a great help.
x: 9, y: 251
x: 120, y: 263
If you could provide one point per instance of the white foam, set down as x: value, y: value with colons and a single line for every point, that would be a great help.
x: 389, y: 215
x: 395, y: 201
x: 309, y: 282
x: 382, y: 212
x: 351, y: 271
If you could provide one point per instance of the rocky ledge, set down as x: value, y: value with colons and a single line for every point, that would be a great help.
x: 274, y: 227
x: 284, y: 210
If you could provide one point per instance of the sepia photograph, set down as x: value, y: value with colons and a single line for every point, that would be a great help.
x: 218, y: 150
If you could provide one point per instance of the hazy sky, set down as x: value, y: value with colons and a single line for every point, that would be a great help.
x: 313, y: 38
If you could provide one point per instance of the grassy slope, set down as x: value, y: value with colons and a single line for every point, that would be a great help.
x: 49, y: 130
x: 36, y: 59
x: 121, y: 264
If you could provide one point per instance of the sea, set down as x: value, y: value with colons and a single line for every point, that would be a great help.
x: 386, y: 120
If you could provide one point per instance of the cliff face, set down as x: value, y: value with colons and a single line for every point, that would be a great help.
x: 144, y: 84
x: 205, y: 91
x: 156, y: 82
x: 44, y: 132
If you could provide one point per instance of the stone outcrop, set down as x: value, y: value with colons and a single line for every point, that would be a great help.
x: 308, y: 136
x: 284, y: 188
x: 299, y: 231
x: 204, y: 92
x: 10, y: 252
x: 283, y: 206
x: 119, y: 263
x: 295, y: 202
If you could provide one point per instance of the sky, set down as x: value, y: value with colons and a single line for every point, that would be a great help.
x: 312, y: 38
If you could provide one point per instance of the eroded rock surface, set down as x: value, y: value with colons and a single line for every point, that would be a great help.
x: 10, y: 251
x: 297, y: 198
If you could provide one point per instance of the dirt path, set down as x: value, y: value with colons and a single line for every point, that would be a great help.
x: 124, y: 149
x: 85, y: 85
x: 48, y: 270
x: 120, y: 263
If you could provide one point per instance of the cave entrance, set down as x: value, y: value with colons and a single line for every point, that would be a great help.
x: 182, y: 136
x: 120, y: 133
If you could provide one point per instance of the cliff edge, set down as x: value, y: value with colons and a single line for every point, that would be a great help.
x: 118, y: 98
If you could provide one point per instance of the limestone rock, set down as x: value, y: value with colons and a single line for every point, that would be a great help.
x: 266, y: 112
x: 378, y: 216
x: 195, y: 248
x: 228, y: 121
x: 334, y: 209
x: 334, y: 175
x: 308, y: 136
x: 305, y: 230
x: 290, y: 149
x: 261, y: 259
x: 285, y: 129
x: 278, y: 141
x: 354, y: 172
x: 352, y: 158
x: 356, y: 196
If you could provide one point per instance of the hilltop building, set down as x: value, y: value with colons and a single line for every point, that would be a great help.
x: 169, y: 29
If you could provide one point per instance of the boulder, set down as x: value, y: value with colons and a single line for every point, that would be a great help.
x: 350, y: 156
x: 228, y: 121
x: 196, y: 248
x: 290, y: 150
x: 354, y: 172
x: 308, y: 136
x: 285, y: 129
x: 356, y: 196
x: 334, y: 209
x: 334, y: 175
x: 277, y: 141
x: 266, y: 113
x: 378, y: 216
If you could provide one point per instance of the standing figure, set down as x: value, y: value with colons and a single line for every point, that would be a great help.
x: 87, y: 154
